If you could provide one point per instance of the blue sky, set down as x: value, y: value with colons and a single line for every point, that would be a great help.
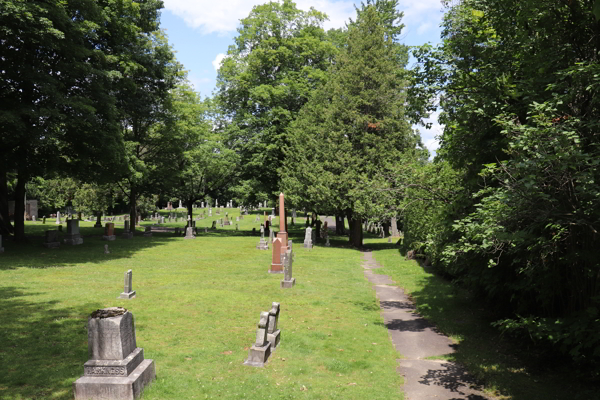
x: 200, y: 32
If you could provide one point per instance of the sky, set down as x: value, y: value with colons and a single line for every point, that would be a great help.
x: 200, y: 32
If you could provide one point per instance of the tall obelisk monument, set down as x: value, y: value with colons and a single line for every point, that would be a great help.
x: 282, y: 234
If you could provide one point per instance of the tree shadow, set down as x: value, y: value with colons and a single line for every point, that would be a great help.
x: 454, y: 378
x: 43, y: 347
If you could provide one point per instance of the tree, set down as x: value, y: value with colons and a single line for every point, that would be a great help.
x: 207, y: 165
x: 94, y: 199
x: 351, y: 128
x: 280, y: 57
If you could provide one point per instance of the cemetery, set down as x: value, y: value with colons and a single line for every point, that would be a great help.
x: 354, y: 212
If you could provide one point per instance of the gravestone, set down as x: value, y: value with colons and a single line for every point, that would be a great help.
x: 58, y: 222
x: 262, y: 244
x: 257, y: 218
x: 180, y: 205
x: 308, y: 243
x: 271, y: 235
x: 189, y: 233
x: 1, y: 248
x: 128, y: 292
x: 227, y: 221
x: 273, y: 334
x: 273, y: 211
x: 237, y: 219
x: 202, y: 204
x: 261, y: 349
x: 276, y: 265
x: 33, y: 218
x: 390, y: 239
x: 288, y: 281
x: 126, y: 233
x: 327, y: 241
x: 106, y: 249
x: 210, y: 212
x: 162, y: 220
x: 148, y: 231
x: 205, y: 229
x: 73, y: 236
x: 214, y: 225
x: 116, y: 368
x: 109, y: 231
x: 51, y: 239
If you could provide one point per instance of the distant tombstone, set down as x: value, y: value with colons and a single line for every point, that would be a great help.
x: 327, y: 241
x: 273, y: 211
x: 148, y: 231
x: 33, y: 218
x: 237, y: 219
x: 1, y: 248
x: 162, y: 220
x: 390, y: 239
x: 202, y: 204
x: 288, y: 281
x: 169, y: 205
x: 189, y: 233
x: 261, y: 349
x: 51, y: 239
x: 214, y: 225
x: 58, y: 222
x: 210, y: 212
x: 116, y: 368
x: 271, y: 235
x: 128, y: 292
x: 109, y: 231
x: 273, y: 333
x: 205, y: 229
x: 257, y: 219
x: 180, y: 205
x: 308, y: 243
x: 73, y: 237
x: 106, y: 249
x: 262, y: 244
x: 216, y: 203
x: 276, y: 265
x: 126, y: 233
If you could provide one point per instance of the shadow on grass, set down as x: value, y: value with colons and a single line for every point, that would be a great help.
x: 43, y: 347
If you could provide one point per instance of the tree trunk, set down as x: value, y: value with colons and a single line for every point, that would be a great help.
x: 190, y: 210
x: 20, y: 208
x: 386, y: 228
x: 98, y: 220
x: 6, y: 227
x: 356, y: 234
x: 339, y: 225
x: 132, y: 210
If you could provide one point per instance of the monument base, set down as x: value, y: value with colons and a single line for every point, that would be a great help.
x: 148, y: 234
x: 257, y: 356
x: 109, y: 237
x: 263, y: 245
x: 115, y: 388
x: 127, y: 235
x: 273, y: 338
x: 73, y: 240
x: 288, y: 284
x: 129, y: 295
x: 276, y: 269
x: 308, y: 245
x: 52, y: 245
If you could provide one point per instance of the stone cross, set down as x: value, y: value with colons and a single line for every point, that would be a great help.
x: 128, y: 292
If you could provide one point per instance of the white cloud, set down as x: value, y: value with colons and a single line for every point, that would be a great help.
x: 424, y: 28
x: 218, y: 60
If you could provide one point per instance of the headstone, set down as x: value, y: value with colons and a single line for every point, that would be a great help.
x: 276, y: 265
x: 180, y: 206
x: 210, y: 212
x: 1, y: 248
x: 273, y: 333
x: 288, y: 281
x: 128, y: 292
x: 33, y: 218
x: 106, y: 249
x: 262, y: 244
x: 109, y: 231
x: 58, y: 222
x: 271, y: 236
x: 189, y: 233
x: 162, y: 220
x: 308, y: 243
x: 273, y: 211
x: 116, y: 368
x: 169, y: 205
x: 257, y: 218
x: 73, y: 237
x: 202, y: 204
x: 237, y: 219
x: 126, y: 233
x: 214, y: 225
x: 205, y: 229
x: 261, y: 349
x: 327, y: 241
x: 148, y: 231
x: 51, y: 239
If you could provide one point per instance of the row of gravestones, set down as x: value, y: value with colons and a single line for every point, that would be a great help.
x: 116, y: 368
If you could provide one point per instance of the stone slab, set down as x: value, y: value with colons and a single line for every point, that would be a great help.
x: 73, y: 241
x: 274, y: 339
x: 115, y: 388
x: 288, y: 284
x: 129, y: 295
x: 109, y: 238
x: 258, y: 356
x: 122, y: 367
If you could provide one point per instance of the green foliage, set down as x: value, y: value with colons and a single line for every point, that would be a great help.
x: 94, y: 199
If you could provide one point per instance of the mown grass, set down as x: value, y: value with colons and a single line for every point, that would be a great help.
x: 509, y: 369
x: 197, y: 306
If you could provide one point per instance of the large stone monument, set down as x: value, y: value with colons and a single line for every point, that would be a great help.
x: 109, y: 231
x: 51, y: 239
x: 273, y: 333
x: 288, y: 281
x: 282, y: 234
x: 116, y: 369
x: 308, y: 238
x: 128, y: 292
x: 276, y: 265
x: 262, y: 244
x: 261, y: 349
x: 127, y: 234
x: 73, y: 237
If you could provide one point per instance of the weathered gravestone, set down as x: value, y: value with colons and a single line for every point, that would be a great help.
x: 128, y: 292
x: 109, y: 231
x: 288, y: 281
x: 273, y: 334
x: 106, y: 249
x: 148, y: 231
x: 189, y: 233
x: 51, y: 239
x: 116, y: 369
x: 271, y: 236
x: 257, y: 218
x: 308, y: 243
x: 205, y: 229
x: 261, y: 349
x: 276, y: 265
x: 262, y: 244
x: 58, y: 222
x: 73, y: 237
x: 126, y: 233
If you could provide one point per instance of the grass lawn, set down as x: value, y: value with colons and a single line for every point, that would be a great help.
x: 196, y: 312
x: 509, y: 369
